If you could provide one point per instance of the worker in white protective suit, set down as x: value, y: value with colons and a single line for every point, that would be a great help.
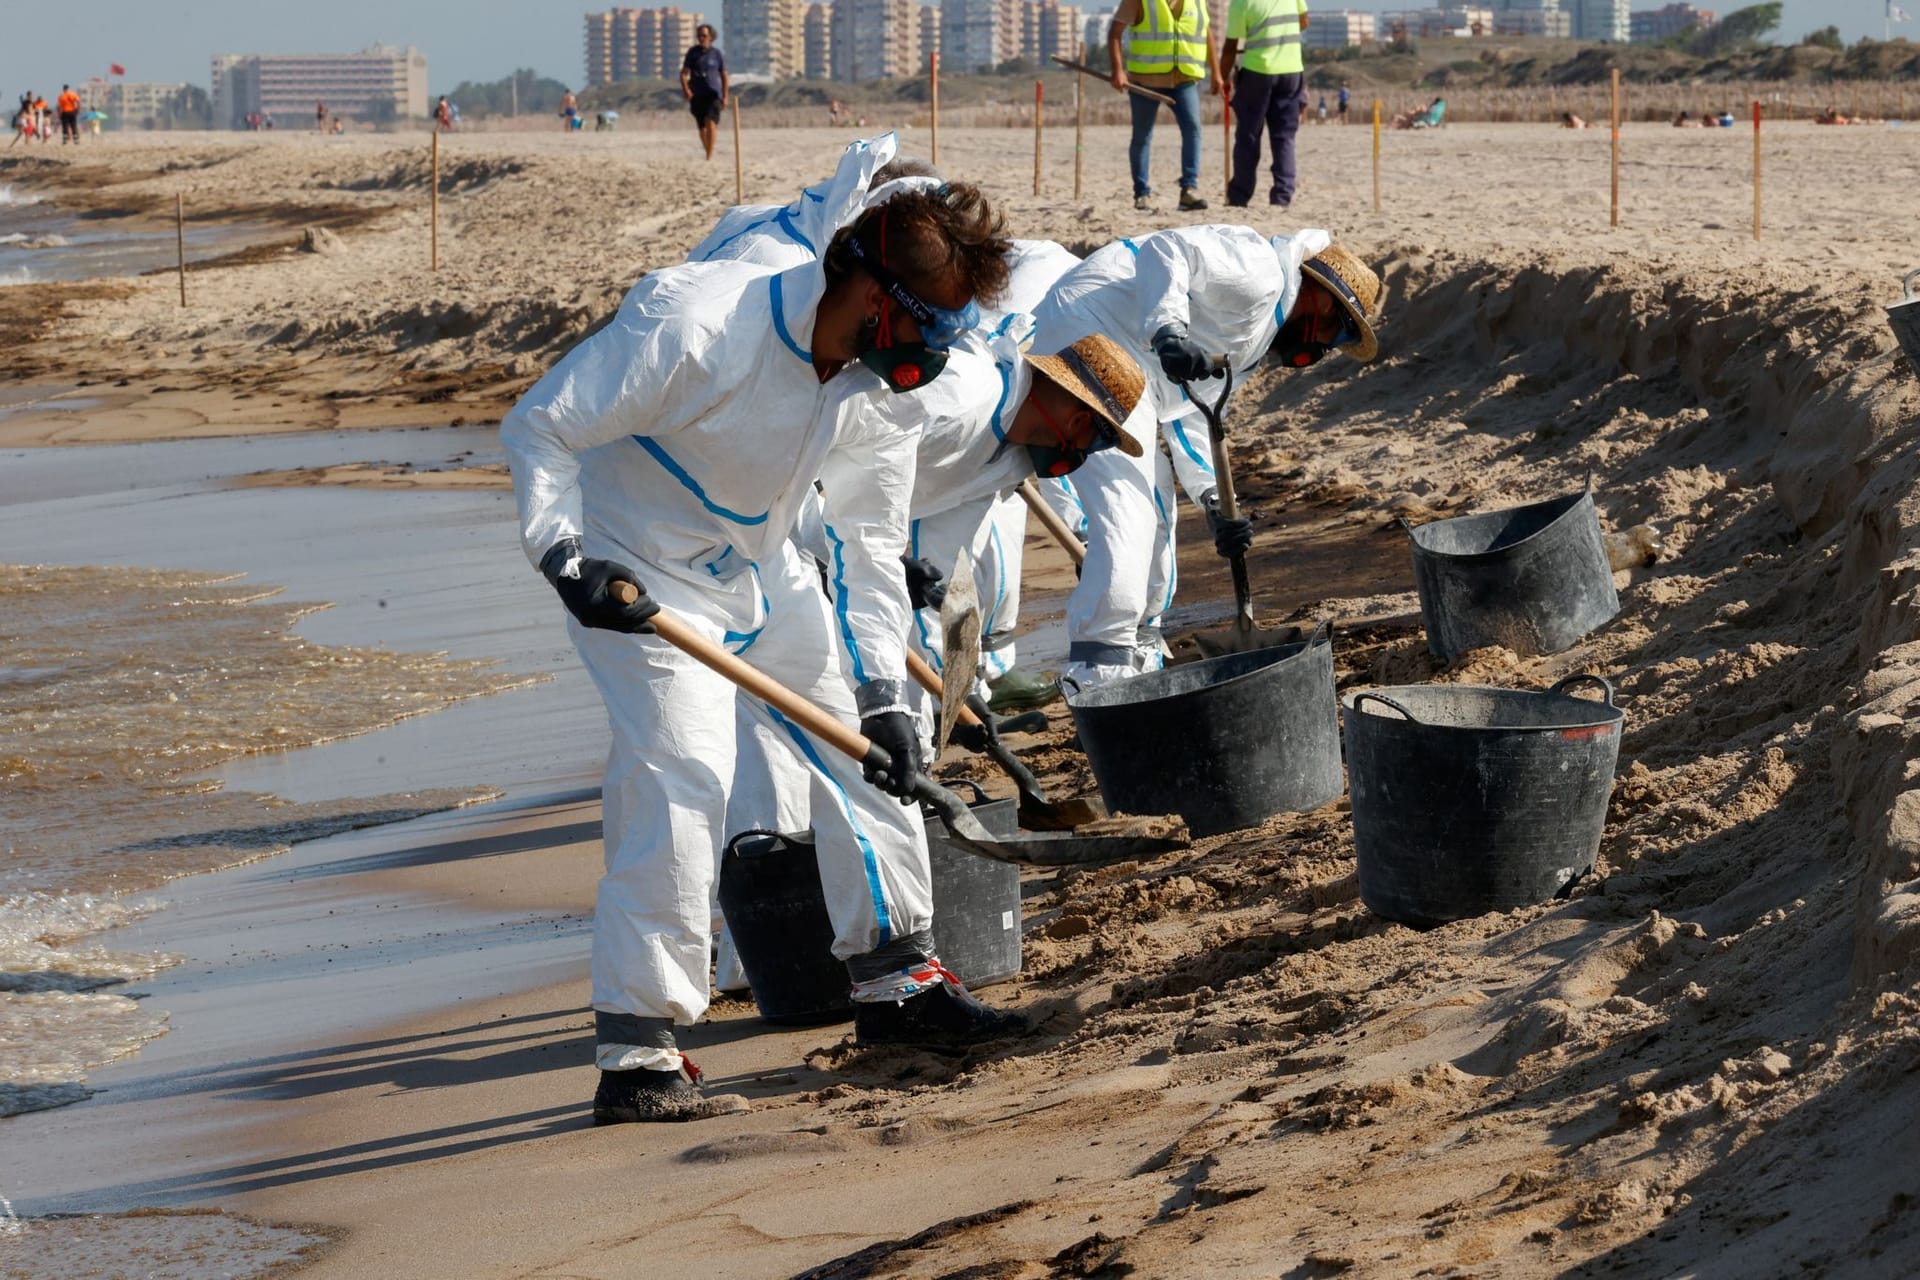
x: 1000, y: 418
x: 1174, y: 300
x: 671, y: 451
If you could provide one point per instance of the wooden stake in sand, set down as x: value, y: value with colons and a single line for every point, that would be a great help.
x: 933, y: 75
x: 1613, y: 114
x: 433, y: 205
x: 1039, y: 101
x: 1376, y: 155
x: 739, y: 177
x: 1079, y: 132
x: 180, y: 240
x: 1756, y: 168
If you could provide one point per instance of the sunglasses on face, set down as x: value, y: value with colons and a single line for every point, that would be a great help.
x: 940, y: 327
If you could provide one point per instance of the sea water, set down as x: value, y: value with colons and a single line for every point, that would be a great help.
x: 40, y: 241
x: 119, y: 690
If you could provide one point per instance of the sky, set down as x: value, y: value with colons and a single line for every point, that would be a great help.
x: 172, y: 40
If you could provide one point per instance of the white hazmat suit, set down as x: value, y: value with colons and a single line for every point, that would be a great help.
x: 682, y: 440
x: 1230, y: 288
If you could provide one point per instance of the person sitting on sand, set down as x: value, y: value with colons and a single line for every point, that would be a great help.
x: 1568, y: 120
x: 1685, y: 121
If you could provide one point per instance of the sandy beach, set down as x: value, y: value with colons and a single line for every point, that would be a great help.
x: 375, y: 1049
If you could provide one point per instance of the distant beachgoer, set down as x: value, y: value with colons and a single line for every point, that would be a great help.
x: 320, y: 117
x: 69, y: 103
x: 339, y: 126
x: 1568, y: 120
x: 569, y: 111
x: 42, y: 119
x: 1321, y: 110
x: 1685, y: 121
x: 835, y: 112
x: 704, y: 83
x: 1345, y: 95
x: 443, y: 114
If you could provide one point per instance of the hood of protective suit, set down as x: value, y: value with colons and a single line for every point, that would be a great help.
x: 1294, y: 250
x: 782, y: 237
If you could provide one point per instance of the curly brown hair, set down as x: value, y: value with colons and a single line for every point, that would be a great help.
x: 931, y: 237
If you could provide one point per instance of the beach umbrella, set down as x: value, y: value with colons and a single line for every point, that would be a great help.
x: 93, y: 115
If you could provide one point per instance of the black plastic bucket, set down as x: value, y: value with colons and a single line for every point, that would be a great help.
x: 1532, y: 578
x: 1904, y: 316
x: 1225, y: 743
x: 777, y: 912
x: 1469, y: 799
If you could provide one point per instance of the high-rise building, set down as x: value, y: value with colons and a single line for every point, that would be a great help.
x: 929, y: 17
x: 765, y: 37
x: 1335, y: 28
x: 1607, y: 20
x: 132, y: 105
x: 1093, y: 33
x: 1532, y: 18
x: 875, y: 39
x: 818, y: 35
x: 638, y: 44
x: 378, y: 83
x: 1056, y: 31
x: 603, y: 47
x: 1647, y: 25
x: 970, y: 36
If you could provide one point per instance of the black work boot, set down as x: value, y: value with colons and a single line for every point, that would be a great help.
x: 945, y: 1015
x: 646, y: 1095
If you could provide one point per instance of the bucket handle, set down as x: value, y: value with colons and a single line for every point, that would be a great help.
x: 1322, y: 634
x: 1907, y: 284
x: 1362, y: 696
x: 733, y: 841
x: 1573, y: 681
x: 979, y: 793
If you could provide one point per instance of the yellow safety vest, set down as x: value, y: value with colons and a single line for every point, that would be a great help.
x: 1160, y: 42
x: 1271, y: 42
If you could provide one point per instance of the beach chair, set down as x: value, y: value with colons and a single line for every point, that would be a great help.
x: 1433, y: 117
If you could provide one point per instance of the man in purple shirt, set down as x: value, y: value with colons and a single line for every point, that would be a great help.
x: 703, y: 79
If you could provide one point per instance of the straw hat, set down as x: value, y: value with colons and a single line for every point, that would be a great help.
x: 1354, y: 283
x: 1097, y: 373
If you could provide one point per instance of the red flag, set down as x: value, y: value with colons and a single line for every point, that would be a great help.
x: 116, y: 69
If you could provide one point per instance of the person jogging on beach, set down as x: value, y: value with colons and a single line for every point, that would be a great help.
x: 704, y: 83
x: 1263, y: 37
x: 671, y: 451
x: 69, y: 105
x: 1174, y: 300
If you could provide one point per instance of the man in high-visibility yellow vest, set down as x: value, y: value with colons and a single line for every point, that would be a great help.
x: 1264, y: 37
x: 1170, y: 49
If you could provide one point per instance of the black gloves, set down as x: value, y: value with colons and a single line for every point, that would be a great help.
x: 586, y: 591
x: 926, y: 585
x: 1231, y: 538
x: 1181, y: 358
x: 893, y: 732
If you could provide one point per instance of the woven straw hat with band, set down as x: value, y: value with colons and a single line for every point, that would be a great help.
x: 1354, y: 283
x: 1097, y: 373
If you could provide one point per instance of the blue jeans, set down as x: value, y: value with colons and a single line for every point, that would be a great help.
x: 1186, y: 113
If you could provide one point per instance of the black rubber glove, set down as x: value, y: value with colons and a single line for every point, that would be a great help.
x: 587, y: 595
x: 1230, y: 537
x: 894, y: 733
x: 1181, y: 358
x: 926, y: 585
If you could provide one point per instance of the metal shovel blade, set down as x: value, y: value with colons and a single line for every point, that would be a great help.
x: 1149, y: 837
x: 959, y: 646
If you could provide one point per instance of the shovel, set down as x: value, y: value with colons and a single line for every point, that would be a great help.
x: 1128, y: 838
x: 1243, y: 637
x: 1037, y: 813
x: 1052, y: 523
x: 959, y: 646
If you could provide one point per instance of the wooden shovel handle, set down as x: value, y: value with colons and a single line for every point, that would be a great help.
x: 849, y: 742
x: 1052, y: 523
x: 929, y: 679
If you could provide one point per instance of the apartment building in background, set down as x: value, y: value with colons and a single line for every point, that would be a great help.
x: 817, y: 39
x: 1335, y: 28
x: 136, y: 105
x: 765, y: 37
x: 1532, y: 18
x: 381, y: 82
x: 1645, y: 26
x: 639, y: 44
x: 875, y: 39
